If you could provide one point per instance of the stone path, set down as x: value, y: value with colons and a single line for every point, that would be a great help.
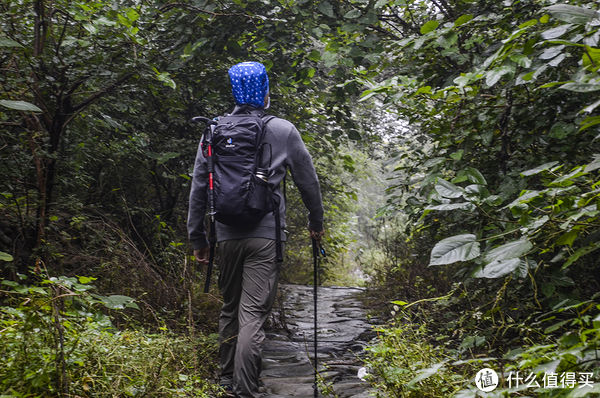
x: 343, y: 332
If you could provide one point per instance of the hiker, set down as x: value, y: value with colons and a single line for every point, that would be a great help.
x: 248, y: 263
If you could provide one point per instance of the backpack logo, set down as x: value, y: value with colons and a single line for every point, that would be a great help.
x: 230, y: 143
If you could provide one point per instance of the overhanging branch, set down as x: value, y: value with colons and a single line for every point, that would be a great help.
x: 97, y: 95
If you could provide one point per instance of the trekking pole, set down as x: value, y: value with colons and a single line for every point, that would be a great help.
x: 210, y: 166
x: 317, y: 249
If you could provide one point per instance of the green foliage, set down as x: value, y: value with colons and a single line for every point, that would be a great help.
x: 342, y: 178
x: 496, y: 174
x: 402, y: 364
x: 57, y: 339
x: 410, y: 360
x: 97, y: 152
x: 575, y: 350
x: 556, y: 223
x: 117, y: 83
x: 492, y: 158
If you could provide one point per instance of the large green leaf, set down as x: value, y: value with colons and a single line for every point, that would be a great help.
x: 117, y: 302
x: 590, y: 108
x: 557, y: 32
x: 539, y: 169
x: 581, y: 87
x: 452, y: 206
x: 590, y: 122
x: 327, y: 9
x: 165, y: 77
x: 498, y: 269
x: 5, y: 257
x: 568, y: 238
x: 423, y: 374
x: 551, y: 52
x: 572, y: 14
x: 447, y: 189
x: 463, y: 19
x: 20, y: 106
x: 591, y: 57
x: 429, y: 26
x: 352, y: 14
x: 535, y: 223
x: 593, y: 165
x: 473, y: 175
x: 493, y: 76
x: 456, y: 248
x: 520, y: 59
x: 507, y: 251
x: 5, y: 42
x: 581, y: 252
x: 525, y: 197
x: 568, y: 179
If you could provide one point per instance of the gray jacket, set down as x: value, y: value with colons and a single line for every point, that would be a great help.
x: 290, y: 152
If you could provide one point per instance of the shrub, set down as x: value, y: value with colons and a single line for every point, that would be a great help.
x: 58, y: 339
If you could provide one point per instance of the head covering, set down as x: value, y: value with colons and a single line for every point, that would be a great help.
x: 249, y: 83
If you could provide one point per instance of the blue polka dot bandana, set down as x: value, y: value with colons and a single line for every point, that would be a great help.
x: 249, y: 83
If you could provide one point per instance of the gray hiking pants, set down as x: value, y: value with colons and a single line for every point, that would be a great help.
x: 248, y: 282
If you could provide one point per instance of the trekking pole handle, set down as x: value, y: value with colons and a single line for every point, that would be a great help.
x: 321, y: 250
x: 318, y: 248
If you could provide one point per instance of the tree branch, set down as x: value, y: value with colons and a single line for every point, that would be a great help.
x: 99, y: 94
x: 385, y: 32
x: 397, y: 18
x: 40, y: 28
x: 445, y: 10
x: 189, y: 7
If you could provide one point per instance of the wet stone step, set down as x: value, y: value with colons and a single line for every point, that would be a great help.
x: 343, y: 332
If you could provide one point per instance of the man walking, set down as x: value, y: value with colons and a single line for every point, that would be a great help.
x: 249, y: 270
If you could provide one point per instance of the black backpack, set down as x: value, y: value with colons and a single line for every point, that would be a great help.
x: 242, y: 193
x: 240, y: 164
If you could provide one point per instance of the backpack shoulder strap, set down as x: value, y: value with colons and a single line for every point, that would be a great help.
x: 264, y: 119
x: 267, y: 118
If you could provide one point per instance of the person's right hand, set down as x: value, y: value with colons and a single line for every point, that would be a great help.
x: 317, y: 235
x: 201, y: 255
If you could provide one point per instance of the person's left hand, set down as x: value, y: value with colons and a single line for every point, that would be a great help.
x: 201, y: 255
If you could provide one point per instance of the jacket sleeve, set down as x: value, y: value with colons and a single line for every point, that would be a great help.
x: 305, y: 178
x: 198, y: 199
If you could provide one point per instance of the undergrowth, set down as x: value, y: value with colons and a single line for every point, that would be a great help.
x: 552, y: 353
x: 59, y: 339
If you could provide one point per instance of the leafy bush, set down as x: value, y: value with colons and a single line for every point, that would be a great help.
x: 412, y: 360
x: 554, y: 326
x: 57, y: 339
x: 501, y: 180
x: 404, y: 364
